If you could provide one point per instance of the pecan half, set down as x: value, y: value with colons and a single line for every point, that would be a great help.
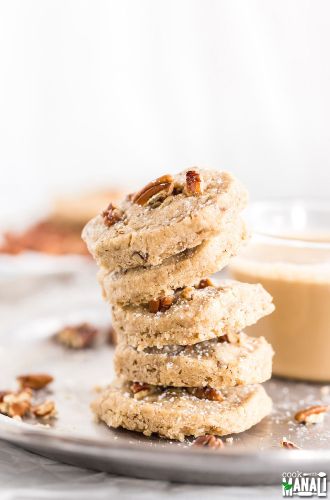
x: 77, y: 337
x: 34, y: 381
x: 45, y: 410
x: 285, y: 443
x: 194, y: 183
x: 163, y: 183
x: 312, y: 414
x: 162, y: 304
x: 210, y: 441
x: 111, y: 215
x: 205, y: 393
x: 204, y: 283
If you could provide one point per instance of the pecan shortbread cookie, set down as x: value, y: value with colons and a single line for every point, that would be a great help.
x: 140, y: 285
x: 235, y: 360
x: 165, y: 218
x: 178, y: 412
x: 192, y: 315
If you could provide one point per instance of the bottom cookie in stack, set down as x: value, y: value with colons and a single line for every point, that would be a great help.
x: 177, y: 412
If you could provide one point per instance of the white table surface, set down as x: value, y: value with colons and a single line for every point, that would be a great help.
x: 24, y: 475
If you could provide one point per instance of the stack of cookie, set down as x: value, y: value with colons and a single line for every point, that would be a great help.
x: 184, y: 365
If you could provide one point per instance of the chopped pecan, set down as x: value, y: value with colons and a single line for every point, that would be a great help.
x: 187, y: 293
x: 163, y: 183
x: 16, y: 404
x: 140, y: 391
x: 45, y: 410
x: 3, y: 394
x: 204, y: 283
x: 111, y: 215
x: 206, y: 393
x: 166, y: 302
x: 111, y: 336
x: 312, y: 414
x: 210, y: 441
x: 285, y: 443
x: 194, y: 183
x: 137, y: 387
x: 154, y: 305
x: 77, y: 337
x: 162, y: 304
x: 34, y: 381
x: 230, y: 337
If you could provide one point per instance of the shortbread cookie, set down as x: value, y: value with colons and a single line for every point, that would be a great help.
x: 177, y: 412
x: 239, y: 360
x: 196, y: 314
x: 186, y: 269
x: 165, y: 218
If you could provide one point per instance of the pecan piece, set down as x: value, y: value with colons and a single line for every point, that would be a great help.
x: 154, y: 305
x: 111, y: 336
x: 163, y: 183
x: 187, y: 293
x: 77, y: 337
x: 45, y: 410
x: 205, y: 393
x: 312, y: 414
x: 230, y: 337
x: 16, y: 404
x: 34, y: 381
x: 210, y: 441
x: 140, y: 391
x: 285, y: 443
x: 162, y: 304
x: 111, y: 215
x: 137, y: 387
x: 194, y: 183
x: 3, y: 394
x: 204, y: 283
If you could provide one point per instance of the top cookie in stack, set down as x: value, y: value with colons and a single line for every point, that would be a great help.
x: 155, y: 251
x: 170, y: 234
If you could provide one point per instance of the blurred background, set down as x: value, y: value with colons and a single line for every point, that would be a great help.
x: 99, y: 93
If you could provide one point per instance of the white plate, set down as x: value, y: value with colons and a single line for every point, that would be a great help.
x: 255, y: 457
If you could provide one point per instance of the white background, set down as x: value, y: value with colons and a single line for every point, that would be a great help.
x: 98, y: 92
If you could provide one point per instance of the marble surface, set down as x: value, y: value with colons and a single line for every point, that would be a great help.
x: 24, y: 475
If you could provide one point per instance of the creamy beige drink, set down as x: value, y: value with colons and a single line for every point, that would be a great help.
x: 297, y: 274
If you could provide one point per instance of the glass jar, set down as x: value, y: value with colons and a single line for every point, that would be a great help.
x: 289, y: 254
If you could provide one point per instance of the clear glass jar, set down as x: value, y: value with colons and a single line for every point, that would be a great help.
x: 289, y: 254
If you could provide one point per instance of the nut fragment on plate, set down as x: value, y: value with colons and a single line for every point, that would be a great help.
x: 78, y: 336
x: 160, y: 184
x: 312, y: 414
x: 16, y: 404
x: 205, y: 393
x: 210, y: 441
x: 111, y: 215
x: 194, y: 183
x: 45, y: 410
x: 290, y: 445
x: 34, y: 381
